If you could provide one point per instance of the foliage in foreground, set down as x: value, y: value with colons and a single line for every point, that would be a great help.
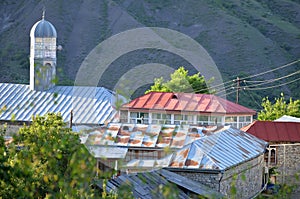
x: 181, y: 82
x: 45, y: 160
x: 273, y: 111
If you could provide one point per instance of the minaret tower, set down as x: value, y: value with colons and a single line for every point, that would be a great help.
x: 42, y: 55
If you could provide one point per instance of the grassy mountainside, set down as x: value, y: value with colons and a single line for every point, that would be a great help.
x: 243, y: 37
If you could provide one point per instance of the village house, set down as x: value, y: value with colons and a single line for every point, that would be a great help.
x: 283, y: 150
x: 181, y: 132
x: 185, y: 108
x: 217, y: 156
x: 79, y: 105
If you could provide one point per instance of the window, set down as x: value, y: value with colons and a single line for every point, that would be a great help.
x: 202, y: 119
x: 209, y: 120
x: 139, y: 118
x: 45, y: 47
x: 183, y: 119
x: 215, y: 119
x: 248, y: 119
x: 271, y: 156
x: 161, y: 118
x: 231, y: 120
x: 244, y: 120
x: 124, y: 116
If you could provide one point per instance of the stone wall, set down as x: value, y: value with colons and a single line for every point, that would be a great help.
x: 288, y: 163
x: 207, y: 178
x: 242, y: 181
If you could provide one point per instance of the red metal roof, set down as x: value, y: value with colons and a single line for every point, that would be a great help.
x: 274, y: 131
x: 189, y: 102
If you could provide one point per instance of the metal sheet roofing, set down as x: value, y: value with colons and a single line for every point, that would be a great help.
x: 90, y: 105
x: 189, y: 102
x: 147, y: 135
x: 218, y: 151
x: 146, y: 185
x: 107, y: 152
x: 275, y: 131
x: 287, y: 118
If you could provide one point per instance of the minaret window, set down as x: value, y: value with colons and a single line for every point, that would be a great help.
x: 45, y: 47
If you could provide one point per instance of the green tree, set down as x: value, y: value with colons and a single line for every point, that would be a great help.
x: 5, y: 169
x: 47, y: 159
x: 181, y: 82
x: 273, y: 111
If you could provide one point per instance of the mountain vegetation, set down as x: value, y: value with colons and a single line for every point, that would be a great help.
x: 243, y: 38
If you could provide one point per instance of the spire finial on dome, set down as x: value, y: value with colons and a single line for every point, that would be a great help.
x: 43, y: 16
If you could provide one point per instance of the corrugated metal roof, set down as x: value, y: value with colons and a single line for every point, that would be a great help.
x: 287, y: 118
x: 90, y: 105
x: 150, y: 164
x: 217, y: 151
x: 146, y: 185
x: 147, y: 135
x: 275, y: 131
x: 186, y: 102
x: 190, y: 185
x: 107, y: 152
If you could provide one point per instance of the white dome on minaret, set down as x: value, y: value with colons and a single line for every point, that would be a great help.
x: 43, y: 28
x: 42, y: 55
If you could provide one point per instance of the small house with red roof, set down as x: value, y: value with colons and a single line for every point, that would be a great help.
x: 283, y: 152
x: 185, y: 108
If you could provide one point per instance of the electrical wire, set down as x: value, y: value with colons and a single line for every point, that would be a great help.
x: 280, y: 67
x: 248, y: 92
x: 264, y: 88
x: 272, y: 80
x: 226, y: 89
x: 225, y: 86
x: 225, y: 94
x: 212, y: 87
x: 254, y: 81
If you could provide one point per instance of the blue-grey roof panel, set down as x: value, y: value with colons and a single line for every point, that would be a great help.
x: 223, y: 149
x: 90, y: 105
x: 44, y: 29
x: 218, y: 150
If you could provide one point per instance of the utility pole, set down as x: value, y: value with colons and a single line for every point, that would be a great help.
x: 238, y: 80
x: 71, y: 118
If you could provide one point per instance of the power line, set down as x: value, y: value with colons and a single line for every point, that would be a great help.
x: 244, y: 78
x: 280, y: 67
x: 264, y: 88
x: 212, y: 87
x: 254, y: 81
x: 271, y: 80
x: 249, y: 87
x: 225, y: 93
x: 248, y: 92
x: 226, y: 89
x: 239, y: 80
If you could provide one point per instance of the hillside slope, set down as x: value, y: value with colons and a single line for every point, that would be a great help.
x: 243, y: 37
